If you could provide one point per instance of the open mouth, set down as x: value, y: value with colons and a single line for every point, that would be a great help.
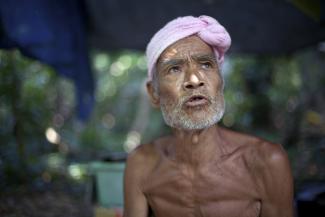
x: 196, y: 100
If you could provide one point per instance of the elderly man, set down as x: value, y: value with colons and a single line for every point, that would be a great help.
x: 201, y: 170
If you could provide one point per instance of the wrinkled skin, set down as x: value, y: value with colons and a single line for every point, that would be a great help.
x: 207, y: 172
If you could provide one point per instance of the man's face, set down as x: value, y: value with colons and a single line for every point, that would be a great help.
x: 190, y: 86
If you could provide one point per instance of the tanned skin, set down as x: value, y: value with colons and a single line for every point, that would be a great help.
x: 211, y: 172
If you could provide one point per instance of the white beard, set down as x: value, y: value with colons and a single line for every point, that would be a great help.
x: 175, y: 116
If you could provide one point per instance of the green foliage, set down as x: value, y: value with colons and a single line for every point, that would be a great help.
x: 265, y: 96
x: 256, y: 89
x: 25, y: 88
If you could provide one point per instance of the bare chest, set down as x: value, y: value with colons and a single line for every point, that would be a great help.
x: 214, y: 189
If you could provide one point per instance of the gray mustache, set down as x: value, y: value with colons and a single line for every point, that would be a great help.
x: 195, y: 93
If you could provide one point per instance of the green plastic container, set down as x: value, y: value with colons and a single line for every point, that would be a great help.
x: 109, y: 182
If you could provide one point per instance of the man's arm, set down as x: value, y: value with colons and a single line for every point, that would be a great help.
x: 277, y: 200
x: 135, y: 203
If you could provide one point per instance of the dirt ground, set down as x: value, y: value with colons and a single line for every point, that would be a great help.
x: 44, y: 204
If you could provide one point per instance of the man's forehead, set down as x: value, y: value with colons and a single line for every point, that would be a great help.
x: 190, y: 46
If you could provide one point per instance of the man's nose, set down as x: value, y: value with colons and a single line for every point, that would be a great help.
x: 193, y: 82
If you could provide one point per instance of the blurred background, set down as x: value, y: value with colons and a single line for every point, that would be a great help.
x: 73, y: 100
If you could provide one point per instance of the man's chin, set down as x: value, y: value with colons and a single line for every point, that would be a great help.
x: 193, y: 122
x: 194, y: 125
x: 193, y: 118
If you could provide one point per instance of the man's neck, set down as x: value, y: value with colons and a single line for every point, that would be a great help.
x: 196, y: 147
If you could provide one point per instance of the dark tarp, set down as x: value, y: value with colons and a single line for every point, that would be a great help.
x: 256, y: 26
x: 51, y: 31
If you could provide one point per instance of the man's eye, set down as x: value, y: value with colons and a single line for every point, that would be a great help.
x: 206, y: 65
x: 174, y: 69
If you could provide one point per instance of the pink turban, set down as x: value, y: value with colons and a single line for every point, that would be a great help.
x: 207, y: 28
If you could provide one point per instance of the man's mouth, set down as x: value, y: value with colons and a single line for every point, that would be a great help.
x: 196, y: 100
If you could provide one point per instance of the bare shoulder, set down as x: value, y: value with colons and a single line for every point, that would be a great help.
x: 142, y: 157
x: 269, y: 167
x: 142, y: 160
x: 271, y: 152
x: 149, y: 152
x: 261, y: 153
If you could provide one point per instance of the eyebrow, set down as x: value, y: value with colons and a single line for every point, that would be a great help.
x: 209, y: 57
x: 198, y: 57
x: 169, y: 62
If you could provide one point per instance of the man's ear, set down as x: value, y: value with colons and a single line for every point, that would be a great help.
x: 153, y: 95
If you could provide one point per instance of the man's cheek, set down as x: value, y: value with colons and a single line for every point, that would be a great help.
x: 167, y: 91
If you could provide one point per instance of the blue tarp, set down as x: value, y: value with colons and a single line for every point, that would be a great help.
x: 53, y: 32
